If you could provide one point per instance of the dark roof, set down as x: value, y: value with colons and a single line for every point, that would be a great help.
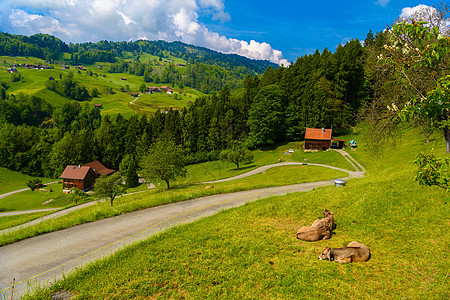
x: 98, y: 167
x: 75, y: 172
x: 318, y: 134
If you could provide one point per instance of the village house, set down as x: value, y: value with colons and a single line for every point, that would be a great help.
x: 83, y: 177
x: 320, y: 139
x: 317, y: 139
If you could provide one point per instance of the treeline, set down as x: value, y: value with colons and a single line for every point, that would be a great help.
x: 191, y: 54
x: 51, y: 48
x: 43, y: 46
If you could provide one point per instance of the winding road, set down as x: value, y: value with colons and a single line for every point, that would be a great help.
x: 41, y: 260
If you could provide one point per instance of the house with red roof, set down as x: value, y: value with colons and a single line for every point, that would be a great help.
x: 320, y: 139
x: 317, y: 138
x: 83, y: 177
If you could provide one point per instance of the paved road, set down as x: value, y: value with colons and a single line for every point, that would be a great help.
x: 250, y: 173
x: 45, y: 258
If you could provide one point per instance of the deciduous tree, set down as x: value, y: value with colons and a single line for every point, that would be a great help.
x: 237, y: 154
x: 109, y: 187
x: 165, y: 161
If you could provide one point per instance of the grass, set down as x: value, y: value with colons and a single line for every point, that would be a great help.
x: 28, y: 199
x: 161, y: 196
x: 216, y: 170
x: 33, y: 82
x: 251, y: 252
x: 12, y: 181
x: 13, y: 221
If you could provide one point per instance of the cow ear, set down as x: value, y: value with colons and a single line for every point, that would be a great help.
x: 329, y: 254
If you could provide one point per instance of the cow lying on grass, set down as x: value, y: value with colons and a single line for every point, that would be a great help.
x: 312, y: 234
x: 326, y: 222
x: 354, y: 252
x: 319, y: 230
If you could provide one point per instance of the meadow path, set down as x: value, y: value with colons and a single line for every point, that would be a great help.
x: 45, y: 258
x: 21, y: 190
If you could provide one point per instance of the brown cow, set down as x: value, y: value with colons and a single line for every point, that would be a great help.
x: 327, y: 221
x: 354, y: 252
x: 312, y: 234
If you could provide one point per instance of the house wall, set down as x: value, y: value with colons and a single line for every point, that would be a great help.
x: 70, y: 183
x: 317, y: 144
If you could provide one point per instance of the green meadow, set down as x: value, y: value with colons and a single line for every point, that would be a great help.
x: 12, y: 181
x: 33, y: 82
x: 251, y: 252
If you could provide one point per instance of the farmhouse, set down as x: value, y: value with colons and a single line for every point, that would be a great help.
x: 83, y: 177
x: 317, y: 139
x: 320, y: 139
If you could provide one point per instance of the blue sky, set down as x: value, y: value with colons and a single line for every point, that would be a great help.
x: 279, y: 31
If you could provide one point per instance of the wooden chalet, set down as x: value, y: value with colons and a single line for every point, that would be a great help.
x: 81, y: 177
x: 317, y: 139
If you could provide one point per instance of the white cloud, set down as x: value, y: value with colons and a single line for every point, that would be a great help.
x: 382, y: 2
x: 409, y: 12
x: 93, y: 20
x: 428, y: 14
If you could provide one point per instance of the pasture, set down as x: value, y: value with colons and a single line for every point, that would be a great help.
x: 33, y: 82
x: 251, y: 251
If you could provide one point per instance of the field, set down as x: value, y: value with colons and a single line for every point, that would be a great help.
x: 11, y: 181
x: 251, y: 252
x: 33, y: 82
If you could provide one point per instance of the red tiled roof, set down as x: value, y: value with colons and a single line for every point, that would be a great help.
x: 318, y: 134
x: 75, y: 172
x: 98, y: 167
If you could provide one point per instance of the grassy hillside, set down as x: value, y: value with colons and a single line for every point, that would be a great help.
x: 11, y: 180
x: 33, y: 82
x: 251, y: 252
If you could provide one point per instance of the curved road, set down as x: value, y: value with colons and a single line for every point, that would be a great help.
x: 42, y: 259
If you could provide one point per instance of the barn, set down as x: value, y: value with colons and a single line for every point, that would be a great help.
x: 317, y: 138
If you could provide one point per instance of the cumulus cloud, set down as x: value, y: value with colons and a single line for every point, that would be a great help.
x: 94, y: 20
x: 428, y: 14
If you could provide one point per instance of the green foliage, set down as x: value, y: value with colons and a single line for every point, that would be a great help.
x: 237, y: 154
x: 34, y: 183
x: 109, y: 187
x: 76, y: 195
x: 419, y: 56
x: 142, y: 88
x: 132, y: 179
x: 165, y: 161
x: 94, y: 92
x: 16, y: 77
x: 266, y: 117
x: 433, y: 171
